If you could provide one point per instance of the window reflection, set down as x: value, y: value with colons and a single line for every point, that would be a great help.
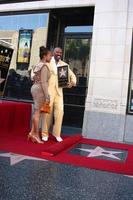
x: 76, y: 53
x: 78, y: 29
x: 18, y: 81
x: 26, y: 21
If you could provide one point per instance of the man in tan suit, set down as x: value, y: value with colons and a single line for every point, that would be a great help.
x: 56, y: 97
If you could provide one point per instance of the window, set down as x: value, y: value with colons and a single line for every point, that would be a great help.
x: 23, y: 32
x: 130, y: 102
x: 78, y: 29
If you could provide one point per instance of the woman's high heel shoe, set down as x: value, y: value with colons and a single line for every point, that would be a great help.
x: 34, y: 139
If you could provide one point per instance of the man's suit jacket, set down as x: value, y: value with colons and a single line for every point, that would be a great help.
x: 53, y: 81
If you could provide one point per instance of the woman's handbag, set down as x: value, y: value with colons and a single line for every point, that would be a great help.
x: 45, y: 108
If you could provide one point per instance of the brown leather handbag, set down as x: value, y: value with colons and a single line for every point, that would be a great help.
x: 45, y: 108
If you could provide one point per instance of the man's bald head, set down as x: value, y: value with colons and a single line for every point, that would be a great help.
x: 57, y: 53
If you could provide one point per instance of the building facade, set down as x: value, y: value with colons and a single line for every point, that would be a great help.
x: 97, y: 39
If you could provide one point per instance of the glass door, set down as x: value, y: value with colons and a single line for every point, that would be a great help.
x: 76, y: 53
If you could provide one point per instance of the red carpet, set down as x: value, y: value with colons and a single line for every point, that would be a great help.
x: 59, y: 147
x: 14, y: 126
x: 14, y: 118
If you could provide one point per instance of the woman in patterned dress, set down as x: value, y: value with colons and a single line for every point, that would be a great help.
x: 40, y: 75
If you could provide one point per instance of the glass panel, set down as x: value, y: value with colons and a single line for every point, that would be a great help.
x: 27, y: 21
x: 78, y: 29
x: 130, y: 101
x: 25, y: 33
x: 76, y: 53
x: 5, y: 59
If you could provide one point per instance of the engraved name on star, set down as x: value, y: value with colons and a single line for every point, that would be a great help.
x: 98, y: 151
x: 16, y: 158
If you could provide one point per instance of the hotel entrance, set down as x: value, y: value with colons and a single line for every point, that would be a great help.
x: 71, y: 29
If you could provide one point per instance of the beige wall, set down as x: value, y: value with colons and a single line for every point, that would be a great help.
x: 110, y: 57
x: 106, y: 102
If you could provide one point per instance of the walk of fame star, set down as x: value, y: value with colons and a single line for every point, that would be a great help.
x: 16, y: 158
x: 98, y: 151
x: 62, y: 72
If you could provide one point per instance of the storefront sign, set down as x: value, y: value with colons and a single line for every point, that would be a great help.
x: 24, y: 48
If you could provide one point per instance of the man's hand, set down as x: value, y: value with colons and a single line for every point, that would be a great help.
x: 71, y: 84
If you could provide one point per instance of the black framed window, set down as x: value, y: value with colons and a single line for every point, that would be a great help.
x: 25, y: 33
x: 130, y: 95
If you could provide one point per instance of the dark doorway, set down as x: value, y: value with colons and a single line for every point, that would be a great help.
x: 76, y: 53
x: 71, y: 29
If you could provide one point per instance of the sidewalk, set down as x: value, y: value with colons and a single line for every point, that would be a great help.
x: 23, y: 178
